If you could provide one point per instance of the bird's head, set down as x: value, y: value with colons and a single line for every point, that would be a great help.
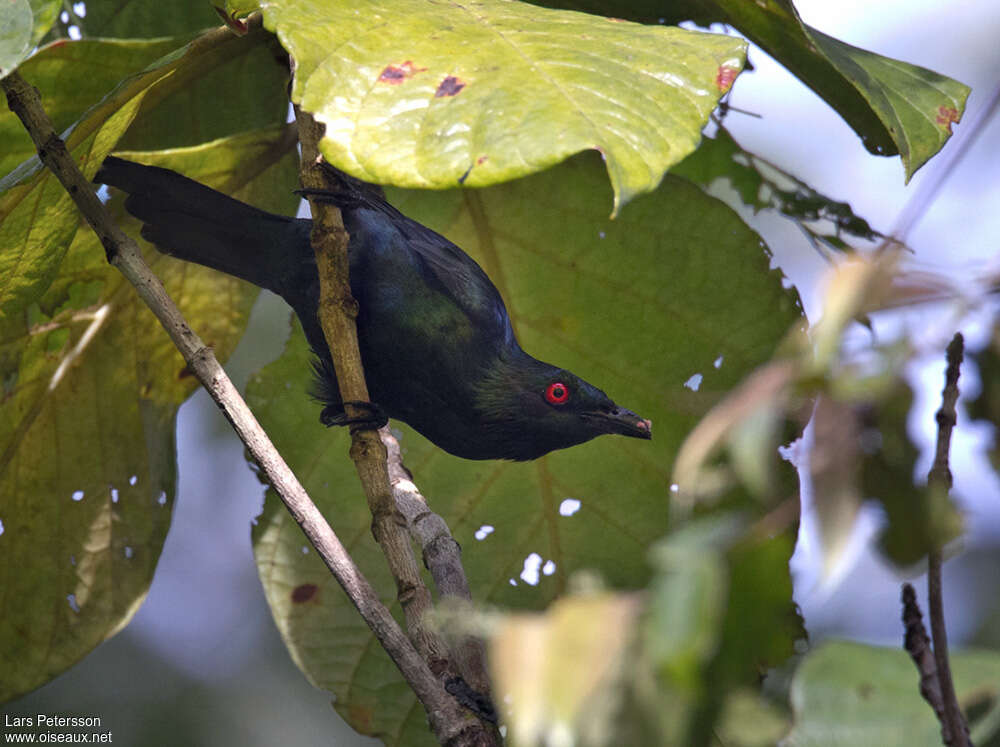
x: 534, y: 408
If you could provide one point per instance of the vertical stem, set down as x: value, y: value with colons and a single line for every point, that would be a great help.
x: 954, y: 728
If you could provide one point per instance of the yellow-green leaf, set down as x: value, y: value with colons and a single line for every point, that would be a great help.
x: 22, y: 25
x: 432, y: 95
x: 91, y: 385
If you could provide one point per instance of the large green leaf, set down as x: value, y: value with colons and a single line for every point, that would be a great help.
x: 91, y: 385
x: 848, y: 693
x: 895, y: 107
x: 22, y: 25
x: 638, y: 306
x: 72, y: 77
x: 146, y: 18
x: 37, y: 218
x: 422, y: 94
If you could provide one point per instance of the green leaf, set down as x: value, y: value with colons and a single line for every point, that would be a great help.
x: 720, y: 157
x: 849, y: 693
x: 22, y: 25
x: 987, y: 405
x: 637, y: 306
x: 91, y: 385
x: 71, y: 77
x: 37, y: 218
x: 916, y: 106
x: 147, y: 18
x: 919, y: 518
x: 720, y: 613
x: 893, y: 106
x: 423, y: 95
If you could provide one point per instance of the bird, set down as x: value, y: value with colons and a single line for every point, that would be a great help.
x: 437, y: 345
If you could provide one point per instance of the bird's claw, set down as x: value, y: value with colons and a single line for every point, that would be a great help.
x: 477, y: 702
x: 374, y: 417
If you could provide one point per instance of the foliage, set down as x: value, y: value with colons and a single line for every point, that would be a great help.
x: 672, y: 305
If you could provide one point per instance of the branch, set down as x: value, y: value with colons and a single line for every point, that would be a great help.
x: 442, y: 557
x: 918, y: 645
x: 337, y: 313
x: 449, y: 723
x: 954, y: 729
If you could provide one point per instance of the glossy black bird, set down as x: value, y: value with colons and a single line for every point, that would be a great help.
x: 436, y: 342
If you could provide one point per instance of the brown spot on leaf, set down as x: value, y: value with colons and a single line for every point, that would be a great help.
x: 396, y: 74
x: 360, y: 717
x: 947, y: 115
x: 303, y: 593
x: 725, y: 77
x: 449, y: 87
x: 481, y: 160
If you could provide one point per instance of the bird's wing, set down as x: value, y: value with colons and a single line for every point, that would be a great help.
x: 456, y: 272
x: 462, y: 278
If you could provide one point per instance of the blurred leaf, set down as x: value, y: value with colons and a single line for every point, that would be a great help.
x: 918, y: 518
x: 23, y: 23
x: 688, y: 601
x: 987, y: 405
x: 749, y: 720
x: 424, y: 95
x: 719, y: 454
x: 849, y: 693
x: 720, y: 612
x: 579, y: 674
x: 561, y: 669
x: 653, y: 275
x: 834, y: 471
x: 893, y: 106
x: 91, y: 386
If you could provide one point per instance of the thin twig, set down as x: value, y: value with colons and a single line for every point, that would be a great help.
x: 918, y: 645
x: 954, y: 729
x: 442, y: 557
x: 448, y: 721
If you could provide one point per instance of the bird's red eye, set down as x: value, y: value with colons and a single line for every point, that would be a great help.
x: 556, y: 393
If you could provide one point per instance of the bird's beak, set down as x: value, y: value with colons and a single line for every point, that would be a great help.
x: 625, y: 422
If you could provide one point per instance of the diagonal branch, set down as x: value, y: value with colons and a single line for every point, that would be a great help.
x: 450, y: 724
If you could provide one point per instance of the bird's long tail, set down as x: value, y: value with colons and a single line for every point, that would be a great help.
x: 198, y: 224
